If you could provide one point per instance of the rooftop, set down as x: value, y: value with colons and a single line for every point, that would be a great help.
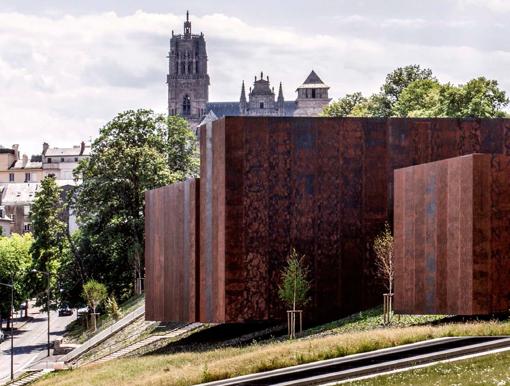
x: 313, y: 81
x: 29, y: 165
x: 19, y: 193
x: 67, y: 151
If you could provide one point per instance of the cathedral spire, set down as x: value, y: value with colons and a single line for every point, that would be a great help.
x: 187, y: 25
x: 280, y: 93
x: 243, y: 104
x: 243, y: 94
x: 280, y: 101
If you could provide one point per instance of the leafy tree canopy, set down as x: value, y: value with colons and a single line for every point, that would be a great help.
x: 397, y: 80
x: 15, y: 264
x: 94, y: 293
x: 49, y: 230
x: 135, y: 152
x: 413, y: 91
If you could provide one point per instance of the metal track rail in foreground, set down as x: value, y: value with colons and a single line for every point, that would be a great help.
x: 379, y: 361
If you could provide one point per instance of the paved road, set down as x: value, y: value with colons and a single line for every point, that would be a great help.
x: 30, y: 341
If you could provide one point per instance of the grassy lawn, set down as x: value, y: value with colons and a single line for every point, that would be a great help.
x: 486, y: 370
x: 77, y: 332
x: 330, y: 341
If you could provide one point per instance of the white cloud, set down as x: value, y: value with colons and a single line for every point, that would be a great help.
x: 493, y: 5
x: 63, y: 76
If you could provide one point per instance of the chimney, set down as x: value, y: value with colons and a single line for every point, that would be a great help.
x: 25, y: 160
x: 45, y: 148
x: 16, y: 150
x: 82, y: 147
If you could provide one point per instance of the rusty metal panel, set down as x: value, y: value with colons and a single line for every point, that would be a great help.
x: 171, y: 252
x: 456, y: 263
x: 500, y: 224
x: 212, y: 222
x: 325, y: 187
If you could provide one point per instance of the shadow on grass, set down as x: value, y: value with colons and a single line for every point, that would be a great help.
x: 223, y: 335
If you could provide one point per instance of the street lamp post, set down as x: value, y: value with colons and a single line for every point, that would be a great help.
x: 47, y: 301
x: 11, y: 286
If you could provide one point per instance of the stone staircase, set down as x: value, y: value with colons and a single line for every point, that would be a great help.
x: 147, y: 341
x: 104, y: 334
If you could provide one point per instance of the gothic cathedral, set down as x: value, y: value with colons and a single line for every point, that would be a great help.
x: 188, y: 80
x: 188, y: 88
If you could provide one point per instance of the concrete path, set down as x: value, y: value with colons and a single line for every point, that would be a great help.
x: 104, y: 334
x: 147, y: 341
x: 30, y: 341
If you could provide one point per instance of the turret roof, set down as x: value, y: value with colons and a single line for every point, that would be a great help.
x: 313, y: 81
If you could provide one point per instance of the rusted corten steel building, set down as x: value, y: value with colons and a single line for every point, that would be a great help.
x: 452, y: 236
x: 322, y: 185
x: 171, y: 252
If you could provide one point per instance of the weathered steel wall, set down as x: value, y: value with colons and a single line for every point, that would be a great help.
x: 322, y: 185
x: 452, y: 236
x: 171, y: 252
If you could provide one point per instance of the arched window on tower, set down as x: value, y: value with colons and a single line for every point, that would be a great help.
x: 186, y: 105
x: 183, y: 68
x: 196, y: 67
x: 190, y: 71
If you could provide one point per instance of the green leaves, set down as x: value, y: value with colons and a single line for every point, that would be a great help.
x: 49, y: 229
x: 135, y: 152
x: 15, y: 263
x: 94, y: 293
x: 414, y: 92
x: 295, y: 285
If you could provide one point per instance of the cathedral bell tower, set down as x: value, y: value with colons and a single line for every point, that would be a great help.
x: 187, y: 79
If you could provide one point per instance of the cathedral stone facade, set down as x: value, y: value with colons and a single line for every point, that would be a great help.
x: 188, y: 80
x: 188, y: 88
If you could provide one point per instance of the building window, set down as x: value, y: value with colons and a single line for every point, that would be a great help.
x: 186, y: 105
x: 76, y: 159
x: 11, y: 177
x: 27, y: 177
x: 62, y: 159
x: 27, y: 228
x: 196, y: 67
x: 313, y: 93
x: 49, y: 160
x: 261, y: 105
x: 183, y: 68
x: 190, y: 71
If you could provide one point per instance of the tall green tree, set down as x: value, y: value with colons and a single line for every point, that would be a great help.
x: 15, y: 264
x: 419, y: 99
x: 49, y: 230
x: 397, y: 80
x: 136, y: 151
x: 478, y: 98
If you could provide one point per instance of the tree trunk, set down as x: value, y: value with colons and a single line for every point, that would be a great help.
x: 94, y: 325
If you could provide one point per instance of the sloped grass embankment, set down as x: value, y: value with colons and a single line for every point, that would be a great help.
x: 359, y: 333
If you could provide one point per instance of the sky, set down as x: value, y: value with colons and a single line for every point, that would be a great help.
x: 68, y: 67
